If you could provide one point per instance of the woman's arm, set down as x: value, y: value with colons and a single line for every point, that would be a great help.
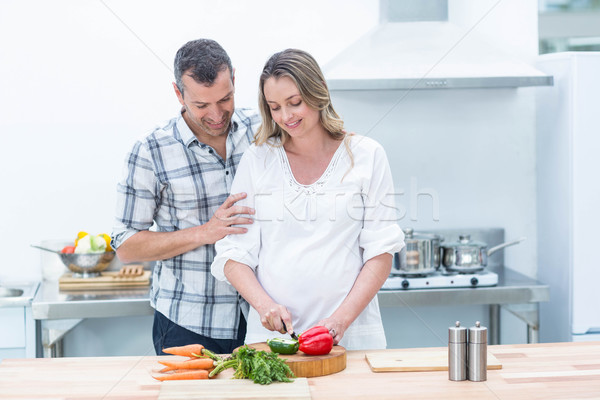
x: 272, y: 315
x: 370, y: 279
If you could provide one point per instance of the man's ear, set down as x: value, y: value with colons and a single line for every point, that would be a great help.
x: 178, y: 93
x: 233, y: 76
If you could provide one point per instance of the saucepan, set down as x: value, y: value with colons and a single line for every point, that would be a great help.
x: 468, y: 256
x: 420, y: 256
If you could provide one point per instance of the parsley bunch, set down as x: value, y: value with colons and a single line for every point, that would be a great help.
x: 260, y: 366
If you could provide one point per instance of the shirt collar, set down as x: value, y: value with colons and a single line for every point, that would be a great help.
x: 188, y: 137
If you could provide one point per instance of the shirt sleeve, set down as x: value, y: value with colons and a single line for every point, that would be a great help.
x: 243, y: 248
x: 380, y: 233
x: 137, y: 196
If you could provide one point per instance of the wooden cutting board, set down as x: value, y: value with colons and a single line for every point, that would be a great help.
x: 107, y: 280
x: 234, y: 389
x: 304, y: 365
x: 405, y: 361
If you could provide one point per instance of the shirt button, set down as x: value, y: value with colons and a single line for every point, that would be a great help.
x: 226, y: 172
x: 210, y: 151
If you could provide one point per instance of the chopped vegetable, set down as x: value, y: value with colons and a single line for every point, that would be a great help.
x: 68, y: 250
x: 91, y: 244
x: 107, y: 240
x: 283, y: 346
x: 190, y: 350
x: 316, y: 341
x: 198, y: 374
x: 259, y: 366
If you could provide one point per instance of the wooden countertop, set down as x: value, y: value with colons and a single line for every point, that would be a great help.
x: 530, y: 371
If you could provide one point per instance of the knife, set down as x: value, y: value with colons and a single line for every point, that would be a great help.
x: 293, y: 334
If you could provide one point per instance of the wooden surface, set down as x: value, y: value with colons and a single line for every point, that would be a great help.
x: 529, y: 371
x: 234, y: 389
x: 307, y: 366
x: 410, y: 361
x: 107, y: 280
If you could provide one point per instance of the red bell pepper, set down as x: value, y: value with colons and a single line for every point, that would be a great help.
x: 316, y: 341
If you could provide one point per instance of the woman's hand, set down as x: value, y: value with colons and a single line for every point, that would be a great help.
x: 276, y: 317
x: 336, y: 328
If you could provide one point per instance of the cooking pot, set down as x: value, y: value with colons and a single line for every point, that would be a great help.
x: 469, y: 256
x: 421, y: 254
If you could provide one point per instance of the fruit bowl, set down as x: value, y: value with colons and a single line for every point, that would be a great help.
x: 86, y: 265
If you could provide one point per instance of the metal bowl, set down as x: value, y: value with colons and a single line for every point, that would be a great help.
x: 87, y: 264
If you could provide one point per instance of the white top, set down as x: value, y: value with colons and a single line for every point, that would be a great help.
x: 309, y: 242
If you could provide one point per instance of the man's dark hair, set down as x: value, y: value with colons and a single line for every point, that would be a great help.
x: 202, y: 59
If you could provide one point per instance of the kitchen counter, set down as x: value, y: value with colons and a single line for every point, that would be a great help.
x: 529, y: 371
x: 56, y: 312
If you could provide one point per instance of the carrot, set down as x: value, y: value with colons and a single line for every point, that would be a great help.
x: 198, y: 363
x: 197, y: 374
x: 190, y: 350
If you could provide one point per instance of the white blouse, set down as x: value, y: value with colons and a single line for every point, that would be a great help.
x: 308, y: 243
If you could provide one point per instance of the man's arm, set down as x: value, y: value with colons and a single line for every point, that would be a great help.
x: 151, y: 246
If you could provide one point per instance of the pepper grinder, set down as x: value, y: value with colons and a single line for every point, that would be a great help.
x: 457, y: 353
x: 477, y: 353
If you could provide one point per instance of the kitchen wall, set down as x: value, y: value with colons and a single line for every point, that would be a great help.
x: 82, y: 80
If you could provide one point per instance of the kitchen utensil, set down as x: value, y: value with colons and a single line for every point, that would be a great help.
x: 227, y: 388
x: 457, y: 352
x: 477, y: 353
x: 303, y: 365
x: 413, y: 360
x: 420, y: 256
x: 469, y: 256
x: 84, y: 265
x: 131, y: 270
x: 293, y: 334
x: 105, y: 281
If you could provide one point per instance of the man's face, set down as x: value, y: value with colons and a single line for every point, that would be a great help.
x: 208, y: 109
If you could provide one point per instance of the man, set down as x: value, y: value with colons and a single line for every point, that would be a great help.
x: 178, y: 178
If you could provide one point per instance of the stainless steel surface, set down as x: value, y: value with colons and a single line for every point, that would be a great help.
x: 420, y: 255
x: 457, y: 352
x: 477, y: 353
x: 57, y: 312
x: 17, y: 294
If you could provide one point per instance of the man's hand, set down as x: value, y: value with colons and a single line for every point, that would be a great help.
x: 228, y: 214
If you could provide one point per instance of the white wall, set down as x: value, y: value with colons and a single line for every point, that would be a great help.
x: 80, y: 80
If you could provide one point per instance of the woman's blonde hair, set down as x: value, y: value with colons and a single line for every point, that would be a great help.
x: 301, y: 68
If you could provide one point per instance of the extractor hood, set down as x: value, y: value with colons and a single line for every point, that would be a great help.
x: 426, y: 54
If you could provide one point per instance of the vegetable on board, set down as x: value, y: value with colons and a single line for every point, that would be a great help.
x: 197, y: 374
x: 196, y: 363
x: 316, y: 341
x: 190, y: 350
x: 283, y: 346
x: 257, y: 365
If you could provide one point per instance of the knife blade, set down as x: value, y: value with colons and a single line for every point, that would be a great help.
x: 293, y: 334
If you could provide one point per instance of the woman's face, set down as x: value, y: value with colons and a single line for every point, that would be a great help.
x: 288, y: 109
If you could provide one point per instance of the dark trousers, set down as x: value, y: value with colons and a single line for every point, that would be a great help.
x: 166, y: 333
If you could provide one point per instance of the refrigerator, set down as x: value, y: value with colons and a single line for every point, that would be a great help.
x: 568, y: 196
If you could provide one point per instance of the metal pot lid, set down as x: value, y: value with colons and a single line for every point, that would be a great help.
x: 409, y: 233
x: 465, y: 242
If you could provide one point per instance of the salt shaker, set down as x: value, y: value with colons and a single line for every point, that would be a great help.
x: 457, y: 352
x: 477, y: 353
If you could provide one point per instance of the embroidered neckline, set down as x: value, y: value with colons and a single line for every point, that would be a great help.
x: 319, y: 183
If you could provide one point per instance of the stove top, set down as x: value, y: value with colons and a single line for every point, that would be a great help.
x: 441, y: 280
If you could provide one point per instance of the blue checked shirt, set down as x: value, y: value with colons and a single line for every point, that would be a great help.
x: 175, y: 182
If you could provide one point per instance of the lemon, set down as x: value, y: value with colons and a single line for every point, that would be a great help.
x: 107, y: 240
x: 79, y: 236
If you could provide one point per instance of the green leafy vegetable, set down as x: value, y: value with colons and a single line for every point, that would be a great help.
x: 260, y: 366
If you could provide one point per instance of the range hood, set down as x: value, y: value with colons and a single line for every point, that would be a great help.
x: 425, y: 54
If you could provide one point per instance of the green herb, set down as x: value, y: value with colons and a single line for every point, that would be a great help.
x: 260, y: 366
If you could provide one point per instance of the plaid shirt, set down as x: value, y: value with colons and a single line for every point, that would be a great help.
x: 176, y: 182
